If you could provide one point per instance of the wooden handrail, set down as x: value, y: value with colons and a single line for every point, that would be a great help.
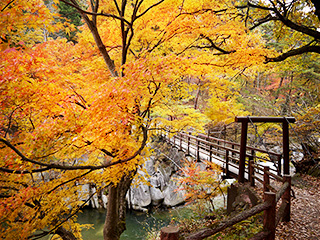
x: 206, y: 232
x: 202, y: 145
x: 271, y: 217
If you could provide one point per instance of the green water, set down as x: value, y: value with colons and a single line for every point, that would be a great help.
x: 138, y: 224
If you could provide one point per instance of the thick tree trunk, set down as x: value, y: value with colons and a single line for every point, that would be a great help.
x: 115, y: 222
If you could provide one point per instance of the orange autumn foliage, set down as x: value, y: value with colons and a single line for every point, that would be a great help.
x: 72, y: 114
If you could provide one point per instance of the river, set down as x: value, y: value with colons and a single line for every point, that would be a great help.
x: 138, y: 224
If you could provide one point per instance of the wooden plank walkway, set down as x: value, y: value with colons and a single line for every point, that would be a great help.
x: 245, y: 163
x: 226, y: 154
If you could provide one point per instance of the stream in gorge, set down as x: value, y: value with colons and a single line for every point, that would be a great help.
x: 139, y: 224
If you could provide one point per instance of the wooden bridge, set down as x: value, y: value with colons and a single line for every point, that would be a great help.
x: 247, y: 164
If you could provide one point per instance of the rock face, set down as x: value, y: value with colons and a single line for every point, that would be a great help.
x: 172, y: 197
x: 155, y: 185
x: 162, y: 184
x: 240, y: 197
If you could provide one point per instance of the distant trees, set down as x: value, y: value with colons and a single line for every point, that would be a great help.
x: 295, y: 23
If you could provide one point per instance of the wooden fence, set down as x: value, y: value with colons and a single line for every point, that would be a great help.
x: 228, y: 153
x: 224, y: 153
x: 272, y: 214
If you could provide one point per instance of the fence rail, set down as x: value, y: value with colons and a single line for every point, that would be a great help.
x: 224, y: 153
x: 227, y: 154
x: 271, y: 218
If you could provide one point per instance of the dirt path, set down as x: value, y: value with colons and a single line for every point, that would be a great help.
x: 305, y: 211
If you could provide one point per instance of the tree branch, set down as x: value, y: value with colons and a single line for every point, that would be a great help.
x: 287, y: 22
x: 261, y: 21
x: 7, y: 170
x: 7, y: 5
x: 89, y: 167
x: 94, y: 13
x: 294, y: 52
x: 214, y: 46
x: 316, y: 4
x: 149, y: 8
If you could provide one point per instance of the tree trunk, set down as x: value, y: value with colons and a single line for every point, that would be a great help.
x: 115, y: 222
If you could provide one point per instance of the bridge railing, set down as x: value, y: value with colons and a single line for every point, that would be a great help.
x: 271, y: 218
x: 225, y: 152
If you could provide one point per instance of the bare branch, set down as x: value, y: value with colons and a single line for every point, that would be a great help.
x: 149, y: 8
x: 7, y: 5
x: 294, y: 52
x: 7, y: 170
x: 214, y: 46
x: 70, y: 180
x: 261, y: 21
x: 89, y: 167
x: 94, y: 13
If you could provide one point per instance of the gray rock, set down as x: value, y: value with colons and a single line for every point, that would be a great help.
x: 172, y: 197
x: 156, y: 196
x: 149, y: 166
x: 140, y: 196
x: 104, y: 200
x: 165, y: 172
x: 157, y: 180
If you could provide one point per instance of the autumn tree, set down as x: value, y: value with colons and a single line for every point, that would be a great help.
x: 74, y: 114
x: 294, y: 20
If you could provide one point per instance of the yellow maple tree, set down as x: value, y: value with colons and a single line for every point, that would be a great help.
x: 74, y: 114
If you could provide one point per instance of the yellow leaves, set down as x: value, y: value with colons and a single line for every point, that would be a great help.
x: 60, y: 104
x: 24, y: 21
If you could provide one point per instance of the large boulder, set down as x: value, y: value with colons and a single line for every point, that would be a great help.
x: 172, y: 197
x: 156, y: 196
x: 140, y: 196
x: 157, y: 180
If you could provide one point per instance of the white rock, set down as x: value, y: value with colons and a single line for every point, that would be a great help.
x: 156, y: 196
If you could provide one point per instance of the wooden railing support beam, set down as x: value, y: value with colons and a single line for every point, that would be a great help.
x: 266, y: 179
x: 285, y: 140
x: 251, y: 173
x: 269, y: 221
x: 227, y: 164
x: 243, y: 148
x: 286, y: 197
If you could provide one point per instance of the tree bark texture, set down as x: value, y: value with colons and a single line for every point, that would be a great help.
x: 115, y: 222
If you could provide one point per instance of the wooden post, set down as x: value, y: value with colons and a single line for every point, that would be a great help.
x: 251, y: 173
x: 279, y: 166
x: 227, y: 163
x: 243, y: 149
x: 285, y: 140
x: 266, y: 179
x: 198, y: 150
x: 181, y: 136
x: 269, y: 220
x: 189, y: 143
x: 232, y: 154
x: 244, y: 128
x: 286, y: 198
x: 169, y: 233
x: 210, y: 152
